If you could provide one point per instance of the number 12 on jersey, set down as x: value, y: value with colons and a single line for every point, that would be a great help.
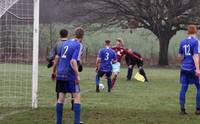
x: 187, y: 50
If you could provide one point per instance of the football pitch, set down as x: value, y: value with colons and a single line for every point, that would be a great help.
x: 131, y: 102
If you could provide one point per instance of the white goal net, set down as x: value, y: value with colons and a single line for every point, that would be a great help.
x: 5, y: 5
x: 16, y: 53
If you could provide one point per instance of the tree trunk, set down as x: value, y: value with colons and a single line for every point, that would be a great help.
x: 163, y: 53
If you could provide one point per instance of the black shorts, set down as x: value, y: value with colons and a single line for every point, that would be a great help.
x: 138, y: 63
x: 101, y: 73
x: 67, y: 87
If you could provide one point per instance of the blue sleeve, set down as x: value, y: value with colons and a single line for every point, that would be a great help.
x: 76, y: 53
x: 196, y: 51
x: 180, y: 49
x: 100, y: 55
x: 59, y: 50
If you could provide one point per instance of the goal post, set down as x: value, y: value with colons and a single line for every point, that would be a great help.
x: 35, y: 54
x: 19, y: 53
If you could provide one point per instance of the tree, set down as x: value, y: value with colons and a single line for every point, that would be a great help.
x: 162, y: 17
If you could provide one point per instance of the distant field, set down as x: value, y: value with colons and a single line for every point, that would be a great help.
x: 131, y: 102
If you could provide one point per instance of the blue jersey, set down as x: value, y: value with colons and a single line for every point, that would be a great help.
x: 107, y: 55
x: 69, y: 50
x: 188, y: 47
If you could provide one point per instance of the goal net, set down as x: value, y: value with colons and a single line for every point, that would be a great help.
x: 16, y: 53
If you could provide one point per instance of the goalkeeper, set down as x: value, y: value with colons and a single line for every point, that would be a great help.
x: 53, y: 52
x: 133, y: 60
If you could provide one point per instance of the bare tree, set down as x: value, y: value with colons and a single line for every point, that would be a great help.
x: 162, y: 17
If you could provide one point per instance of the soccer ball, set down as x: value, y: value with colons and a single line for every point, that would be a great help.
x: 101, y: 87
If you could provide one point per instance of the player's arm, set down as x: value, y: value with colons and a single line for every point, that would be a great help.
x: 180, y: 54
x: 53, y: 75
x: 73, y: 63
x: 180, y: 57
x: 196, y: 58
x: 51, y: 56
x: 75, y: 68
x: 132, y: 54
x: 196, y: 61
x: 98, y: 61
x: 56, y: 59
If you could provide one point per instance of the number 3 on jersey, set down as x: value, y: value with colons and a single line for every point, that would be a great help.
x: 107, y: 56
x: 65, y: 51
x: 187, y: 50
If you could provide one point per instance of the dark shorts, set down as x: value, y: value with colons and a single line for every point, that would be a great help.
x: 102, y: 73
x: 188, y: 77
x: 67, y: 87
x: 138, y: 63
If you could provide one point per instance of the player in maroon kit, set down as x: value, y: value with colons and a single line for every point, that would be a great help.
x: 120, y: 51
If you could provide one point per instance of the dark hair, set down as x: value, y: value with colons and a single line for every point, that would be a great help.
x: 79, y: 33
x: 63, y: 33
x: 107, y: 42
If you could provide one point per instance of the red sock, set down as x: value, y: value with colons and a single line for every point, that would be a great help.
x: 113, y: 82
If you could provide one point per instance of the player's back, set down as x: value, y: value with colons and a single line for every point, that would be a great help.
x: 66, y: 54
x: 107, y: 55
x: 134, y: 56
x: 188, y: 47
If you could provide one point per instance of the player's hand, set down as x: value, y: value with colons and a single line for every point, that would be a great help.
x: 96, y: 69
x: 77, y: 79
x: 53, y: 76
x: 197, y: 72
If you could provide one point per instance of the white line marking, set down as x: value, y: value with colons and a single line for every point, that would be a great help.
x: 12, y: 113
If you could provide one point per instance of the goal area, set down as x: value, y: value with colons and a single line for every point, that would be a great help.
x: 19, y: 42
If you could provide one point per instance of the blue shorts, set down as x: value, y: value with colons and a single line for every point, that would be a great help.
x: 67, y: 87
x: 188, y: 77
x: 116, y: 67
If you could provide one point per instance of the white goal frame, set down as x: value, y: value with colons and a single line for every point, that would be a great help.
x: 35, y: 54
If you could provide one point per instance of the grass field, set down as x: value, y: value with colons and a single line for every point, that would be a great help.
x: 131, y: 102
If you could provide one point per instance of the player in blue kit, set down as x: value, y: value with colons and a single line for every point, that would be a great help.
x: 67, y: 75
x: 188, y: 54
x: 106, y: 57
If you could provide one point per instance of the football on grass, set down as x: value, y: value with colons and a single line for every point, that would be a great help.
x: 101, y: 87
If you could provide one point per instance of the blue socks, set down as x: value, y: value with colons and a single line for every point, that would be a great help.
x: 77, y: 110
x: 97, y: 80
x: 198, y: 97
x: 59, y: 111
x: 109, y: 84
x: 184, y: 89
